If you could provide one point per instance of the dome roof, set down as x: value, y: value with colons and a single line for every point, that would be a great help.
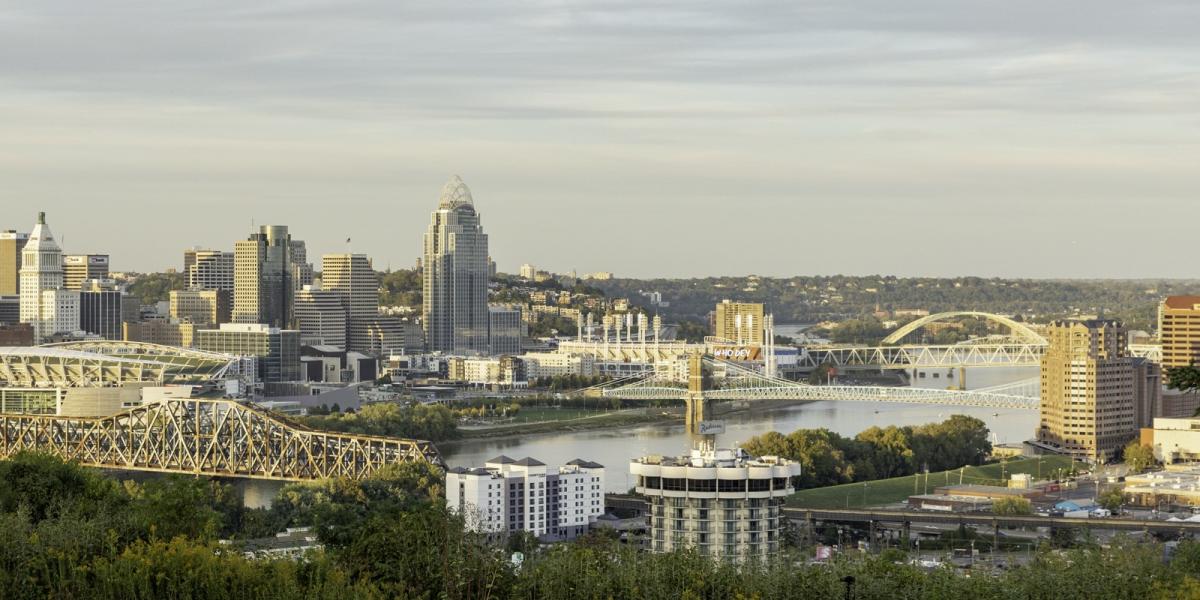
x: 455, y: 194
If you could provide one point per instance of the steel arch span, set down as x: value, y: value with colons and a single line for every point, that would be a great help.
x: 207, y: 437
x: 1019, y: 330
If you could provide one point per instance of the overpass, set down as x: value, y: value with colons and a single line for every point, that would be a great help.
x: 207, y: 437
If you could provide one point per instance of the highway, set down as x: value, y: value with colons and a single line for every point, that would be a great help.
x: 627, y: 502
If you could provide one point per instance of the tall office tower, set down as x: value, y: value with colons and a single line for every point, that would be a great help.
x: 741, y: 322
x: 504, y: 330
x: 100, y: 308
x: 262, y: 278
x: 491, y: 268
x: 353, y: 278
x: 11, y: 244
x: 202, y: 307
x: 1179, y: 331
x: 41, y: 272
x: 302, y: 270
x: 320, y: 317
x: 209, y: 270
x: 1090, y: 388
x: 455, y: 275
x: 78, y: 268
x: 528, y: 271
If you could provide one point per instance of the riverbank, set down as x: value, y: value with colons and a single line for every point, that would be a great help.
x: 610, y: 420
x: 621, y: 419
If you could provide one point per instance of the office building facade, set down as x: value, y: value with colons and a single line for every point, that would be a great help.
x: 165, y: 332
x: 78, y: 268
x: 100, y: 313
x: 353, y: 279
x: 455, y: 311
x: 277, y: 350
x: 506, y: 496
x: 209, y: 270
x: 201, y: 307
x: 320, y: 317
x: 1089, y: 389
x: 11, y: 245
x: 504, y: 330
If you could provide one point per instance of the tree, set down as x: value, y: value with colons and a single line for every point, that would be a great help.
x: 1012, y: 505
x: 1139, y: 457
x: 1112, y: 499
x: 156, y: 287
x: 1185, y: 379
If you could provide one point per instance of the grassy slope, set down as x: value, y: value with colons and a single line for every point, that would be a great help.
x: 897, y: 489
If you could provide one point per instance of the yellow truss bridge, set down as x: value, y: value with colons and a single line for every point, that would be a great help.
x: 219, y: 438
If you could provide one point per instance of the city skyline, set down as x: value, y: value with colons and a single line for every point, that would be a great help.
x: 919, y: 133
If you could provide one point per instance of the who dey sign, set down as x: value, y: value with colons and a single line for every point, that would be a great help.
x: 738, y: 353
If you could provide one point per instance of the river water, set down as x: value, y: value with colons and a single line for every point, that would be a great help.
x: 615, y: 448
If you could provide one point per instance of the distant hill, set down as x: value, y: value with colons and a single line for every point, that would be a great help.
x: 809, y: 299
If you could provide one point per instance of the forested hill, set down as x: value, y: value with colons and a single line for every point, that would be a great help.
x: 816, y: 298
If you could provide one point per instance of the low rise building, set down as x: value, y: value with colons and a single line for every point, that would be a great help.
x: 1174, y: 440
x: 544, y: 365
x: 506, y: 496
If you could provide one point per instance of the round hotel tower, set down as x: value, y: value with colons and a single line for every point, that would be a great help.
x: 724, y: 503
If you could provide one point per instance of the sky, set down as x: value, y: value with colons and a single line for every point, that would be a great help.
x: 648, y: 138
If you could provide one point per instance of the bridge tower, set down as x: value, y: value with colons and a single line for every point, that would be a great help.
x: 697, y: 404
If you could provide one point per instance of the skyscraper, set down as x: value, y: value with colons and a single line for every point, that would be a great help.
x: 44, y: 303
x: 354, y: 280
x: 302, y: 270
x: 1090, y: 388
x: 78, y: 268
x: 1179, y: 330
x: 455, y: 274
x: 11, y: 244
x: 263, y: 287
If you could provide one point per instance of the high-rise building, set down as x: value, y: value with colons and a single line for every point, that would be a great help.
x: 506, y: 496
x: 44, y: 303
x: 352, y: 277
x: 263, y: 275
x: 209, y: 270
x: 1090, y: 389
x: 11, y: 244
x: 277, y: 350
x: 722, y: 503
x: 201, y: 307
x: 504, y: 329
x: 78, y: 268
x: 456, y: 275
x: 1179, y: 331
x: 741, y: 322
x: 10, y: 310
x: 100, y: 308
x: 527, y: 271
x: 320, y: 317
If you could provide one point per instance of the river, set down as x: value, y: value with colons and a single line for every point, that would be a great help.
x: 615, y: 448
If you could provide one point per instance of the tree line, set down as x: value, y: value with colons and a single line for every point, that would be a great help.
x: 828, y: 458
x: 432, y: 422
x: 68, y: 532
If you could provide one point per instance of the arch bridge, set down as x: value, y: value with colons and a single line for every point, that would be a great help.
x: 1017, y: 331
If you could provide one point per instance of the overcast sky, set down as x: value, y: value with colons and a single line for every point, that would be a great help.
x: 926, y: 137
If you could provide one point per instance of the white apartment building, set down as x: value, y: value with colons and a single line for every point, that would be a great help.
x: 540, y: 365
x: 506, y: 496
